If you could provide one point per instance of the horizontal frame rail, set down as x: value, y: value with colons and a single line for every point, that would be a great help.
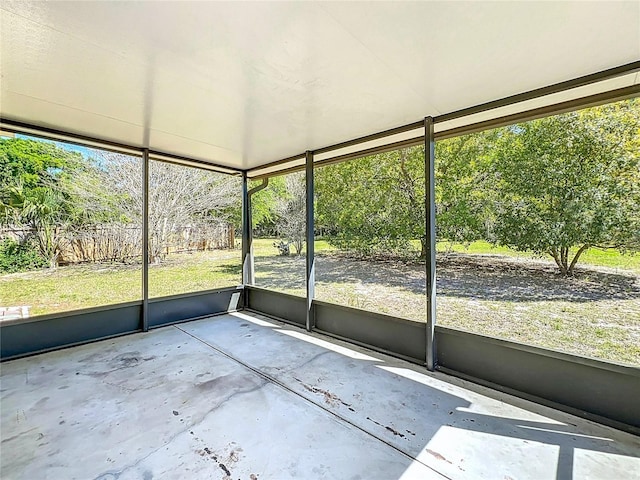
x: 530, y: 114
x: 109, y: 145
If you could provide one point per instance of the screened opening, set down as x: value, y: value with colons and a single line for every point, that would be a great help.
x: 278, y: 213
x: 537, y: 225
x: 370, y: 239
x: 193, y: 218
x: 71, y: 228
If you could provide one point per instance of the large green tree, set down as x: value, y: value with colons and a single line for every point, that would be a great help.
x: 34, y: 164
x: 375, y: 204
x: 263, y: 205
x: 463, y: 203
x: 558, y: 185
x: 563, y: 184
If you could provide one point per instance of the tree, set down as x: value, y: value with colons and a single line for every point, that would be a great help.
x: 33, y: 197
x: 180, y: 198
x: 374, y: 205
x: 34, y: 163
x: 45, y: 212
x: 290, y: 209
x: 557, y: 186
x: 42, y: 211
x: 463, y: 202
x: 570, y: 181
x: 263, y: 205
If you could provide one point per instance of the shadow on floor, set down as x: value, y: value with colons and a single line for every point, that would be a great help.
x: 481, y: 277
x: 411, y: 409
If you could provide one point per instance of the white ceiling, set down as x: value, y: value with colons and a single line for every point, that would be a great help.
x: 243, y: 84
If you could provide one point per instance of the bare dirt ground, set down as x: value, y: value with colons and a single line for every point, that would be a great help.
x: 594, y: 313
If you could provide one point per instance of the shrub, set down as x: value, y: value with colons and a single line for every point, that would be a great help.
x: 19, y: 257
x: 283, y: 247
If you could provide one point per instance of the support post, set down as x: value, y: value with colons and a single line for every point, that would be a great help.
x: 145, y: 240
x: 311, y: 269
x: 430, y: 231
x: 247, y: 257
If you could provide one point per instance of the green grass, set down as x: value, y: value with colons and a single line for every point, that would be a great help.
x: 83, y: 286
x: 601, y: 258
x: 195, y: 272
x: 70, y: 288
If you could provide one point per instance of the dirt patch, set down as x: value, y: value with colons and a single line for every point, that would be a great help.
x: 594, y: 313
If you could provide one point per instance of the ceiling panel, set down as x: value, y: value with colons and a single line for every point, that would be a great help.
x: 242, y: 84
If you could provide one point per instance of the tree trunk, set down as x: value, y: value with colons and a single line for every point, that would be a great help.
x: 423, y: 248
x: 561, y: 258
x: 564, y: 257
x: 558, y: 257
x: 576, y: 257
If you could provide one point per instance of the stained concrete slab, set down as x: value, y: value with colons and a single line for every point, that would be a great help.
x: 461, y: 430
x: 241, y: 396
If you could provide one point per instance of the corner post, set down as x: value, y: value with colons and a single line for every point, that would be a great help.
x: 145, y: 240
x: 247, y: 250
x: 430, y: 226
x: 310, y: 323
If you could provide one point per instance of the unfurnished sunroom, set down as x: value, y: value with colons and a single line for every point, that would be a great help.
x: 320, y: 240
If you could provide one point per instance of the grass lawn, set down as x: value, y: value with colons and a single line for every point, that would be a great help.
x: 593, y: 257
x: 486, y: 290
x: 82, y: 286
x: 193, y: 272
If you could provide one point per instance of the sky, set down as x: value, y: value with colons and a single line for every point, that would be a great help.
x: 84, y: 151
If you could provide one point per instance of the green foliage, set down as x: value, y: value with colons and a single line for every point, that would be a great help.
x: 373, y: 205
x: 33, y: 163
x: 32, y: 172
x: 264, y: 205
x: 462, y: 206
x: 279, y: 210
x: 568, y: 180
x: 558, y: 185
x: 33, y: 192
x: 17, y: 257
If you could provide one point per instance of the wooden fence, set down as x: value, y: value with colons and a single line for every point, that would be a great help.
x: 123, y: 242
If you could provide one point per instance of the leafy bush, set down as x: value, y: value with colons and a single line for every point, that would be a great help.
x: 19, y: 257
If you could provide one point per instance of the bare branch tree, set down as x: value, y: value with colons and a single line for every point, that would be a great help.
x: 291, y: 211
x: 183, y: 201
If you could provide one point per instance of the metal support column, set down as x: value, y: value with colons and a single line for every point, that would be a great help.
x: 145, y: 240
x: 311, y: 268
x: 430, y: 225
x: 247, y: 260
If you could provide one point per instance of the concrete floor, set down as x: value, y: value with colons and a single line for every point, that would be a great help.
x: 242, y: 397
